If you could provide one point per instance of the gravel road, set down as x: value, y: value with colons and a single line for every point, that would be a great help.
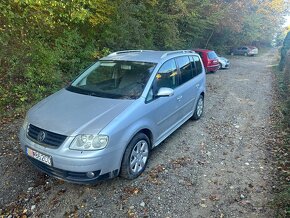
x: 218, y: 166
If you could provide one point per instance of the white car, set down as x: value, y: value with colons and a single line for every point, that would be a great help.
x: 223, y: 62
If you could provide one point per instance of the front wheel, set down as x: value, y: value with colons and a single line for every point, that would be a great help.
x: 135, y: 157
x: 199, y: 108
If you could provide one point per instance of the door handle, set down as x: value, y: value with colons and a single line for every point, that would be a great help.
x: 179, y: 98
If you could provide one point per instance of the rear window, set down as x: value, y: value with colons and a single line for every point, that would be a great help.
x: 211, y: 55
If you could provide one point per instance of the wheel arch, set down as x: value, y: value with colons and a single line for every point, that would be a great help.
x: 145, y: 131
x: 148, y: 133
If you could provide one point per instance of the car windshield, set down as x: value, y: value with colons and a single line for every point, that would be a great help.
x: 114, y: 79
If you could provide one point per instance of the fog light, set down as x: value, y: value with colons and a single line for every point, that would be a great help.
x: 90, y: 174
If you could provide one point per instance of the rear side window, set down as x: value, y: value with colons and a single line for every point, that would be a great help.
x: 185, y: 68
x: 197, y: 64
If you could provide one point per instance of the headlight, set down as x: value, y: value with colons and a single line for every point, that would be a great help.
x: 89, y: 142
x: 25, y: 123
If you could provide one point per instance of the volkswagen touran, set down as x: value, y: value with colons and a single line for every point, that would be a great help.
x: 105, y: 123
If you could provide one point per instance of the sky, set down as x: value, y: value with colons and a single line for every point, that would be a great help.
x: 287, y: 23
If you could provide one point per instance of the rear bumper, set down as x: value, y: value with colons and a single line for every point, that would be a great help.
x: 212, y: 68
x: 253, y: 53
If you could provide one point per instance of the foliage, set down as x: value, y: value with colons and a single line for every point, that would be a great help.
x: 45, y: 43
x: 253, y: 22
x: 43, y: 46
x: 281, y: 147
x: 284, y: 50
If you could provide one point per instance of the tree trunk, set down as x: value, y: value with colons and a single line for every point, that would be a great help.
x: 209, y: 38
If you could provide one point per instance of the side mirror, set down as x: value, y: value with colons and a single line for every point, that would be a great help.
x: 164, y: 92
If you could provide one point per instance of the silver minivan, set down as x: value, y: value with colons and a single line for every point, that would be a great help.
x: 106, y: 122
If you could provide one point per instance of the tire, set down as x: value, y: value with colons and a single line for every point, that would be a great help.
x: 245, y: 54
x: 135, y: 157
x: 198, y: 108
x: 220, y: 66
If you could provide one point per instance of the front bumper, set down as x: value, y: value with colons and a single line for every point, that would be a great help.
x: 74, y: 177
x: 225, y: 65
x: 75, y: 166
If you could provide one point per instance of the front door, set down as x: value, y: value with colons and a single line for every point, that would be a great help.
x: 164, y: 111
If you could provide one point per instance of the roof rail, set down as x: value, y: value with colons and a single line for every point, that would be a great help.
x: 176, y: 52
x: 125, y: 51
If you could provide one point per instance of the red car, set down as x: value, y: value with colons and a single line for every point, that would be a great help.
x: 209, y: 59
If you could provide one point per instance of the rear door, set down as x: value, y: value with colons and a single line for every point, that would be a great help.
x: 187, y: 87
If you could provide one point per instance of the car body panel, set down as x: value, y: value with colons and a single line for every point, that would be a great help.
x: 47, y: 114
x: 209, y: 59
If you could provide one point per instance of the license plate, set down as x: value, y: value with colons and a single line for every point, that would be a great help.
x: 39, y: 156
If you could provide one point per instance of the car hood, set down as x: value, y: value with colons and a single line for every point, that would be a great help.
x: 70, y: 113
x: 222, y: 59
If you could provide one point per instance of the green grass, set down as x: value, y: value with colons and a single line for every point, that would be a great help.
x: 280, y: 150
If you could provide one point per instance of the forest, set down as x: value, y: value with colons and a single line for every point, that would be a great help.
x: 45, y: 43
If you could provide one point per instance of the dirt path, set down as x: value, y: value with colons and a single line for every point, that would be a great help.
x: 215, y: 167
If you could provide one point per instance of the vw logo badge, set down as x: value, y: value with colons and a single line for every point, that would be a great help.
x: 41, y: 136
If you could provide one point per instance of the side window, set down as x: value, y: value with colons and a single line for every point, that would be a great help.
x: 167, y: 75
x: 198, y: 65
x: 185, y: 68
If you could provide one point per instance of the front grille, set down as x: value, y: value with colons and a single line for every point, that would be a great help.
x: 78, y: 177
x: 51, y: 139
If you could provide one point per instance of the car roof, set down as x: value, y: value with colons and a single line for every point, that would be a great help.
x: 202, y: 50
x: 251, y: 46
x: 150, y: 56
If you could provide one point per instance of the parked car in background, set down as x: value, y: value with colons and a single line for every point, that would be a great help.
x: 245, y: 50
x: 224, y: 63
x: 209, y: 59
x: 106, y: 122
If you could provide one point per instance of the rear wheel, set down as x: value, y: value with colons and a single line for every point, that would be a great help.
x: 245, y: 54
x: 135, y: 157
x: 198, y: 108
